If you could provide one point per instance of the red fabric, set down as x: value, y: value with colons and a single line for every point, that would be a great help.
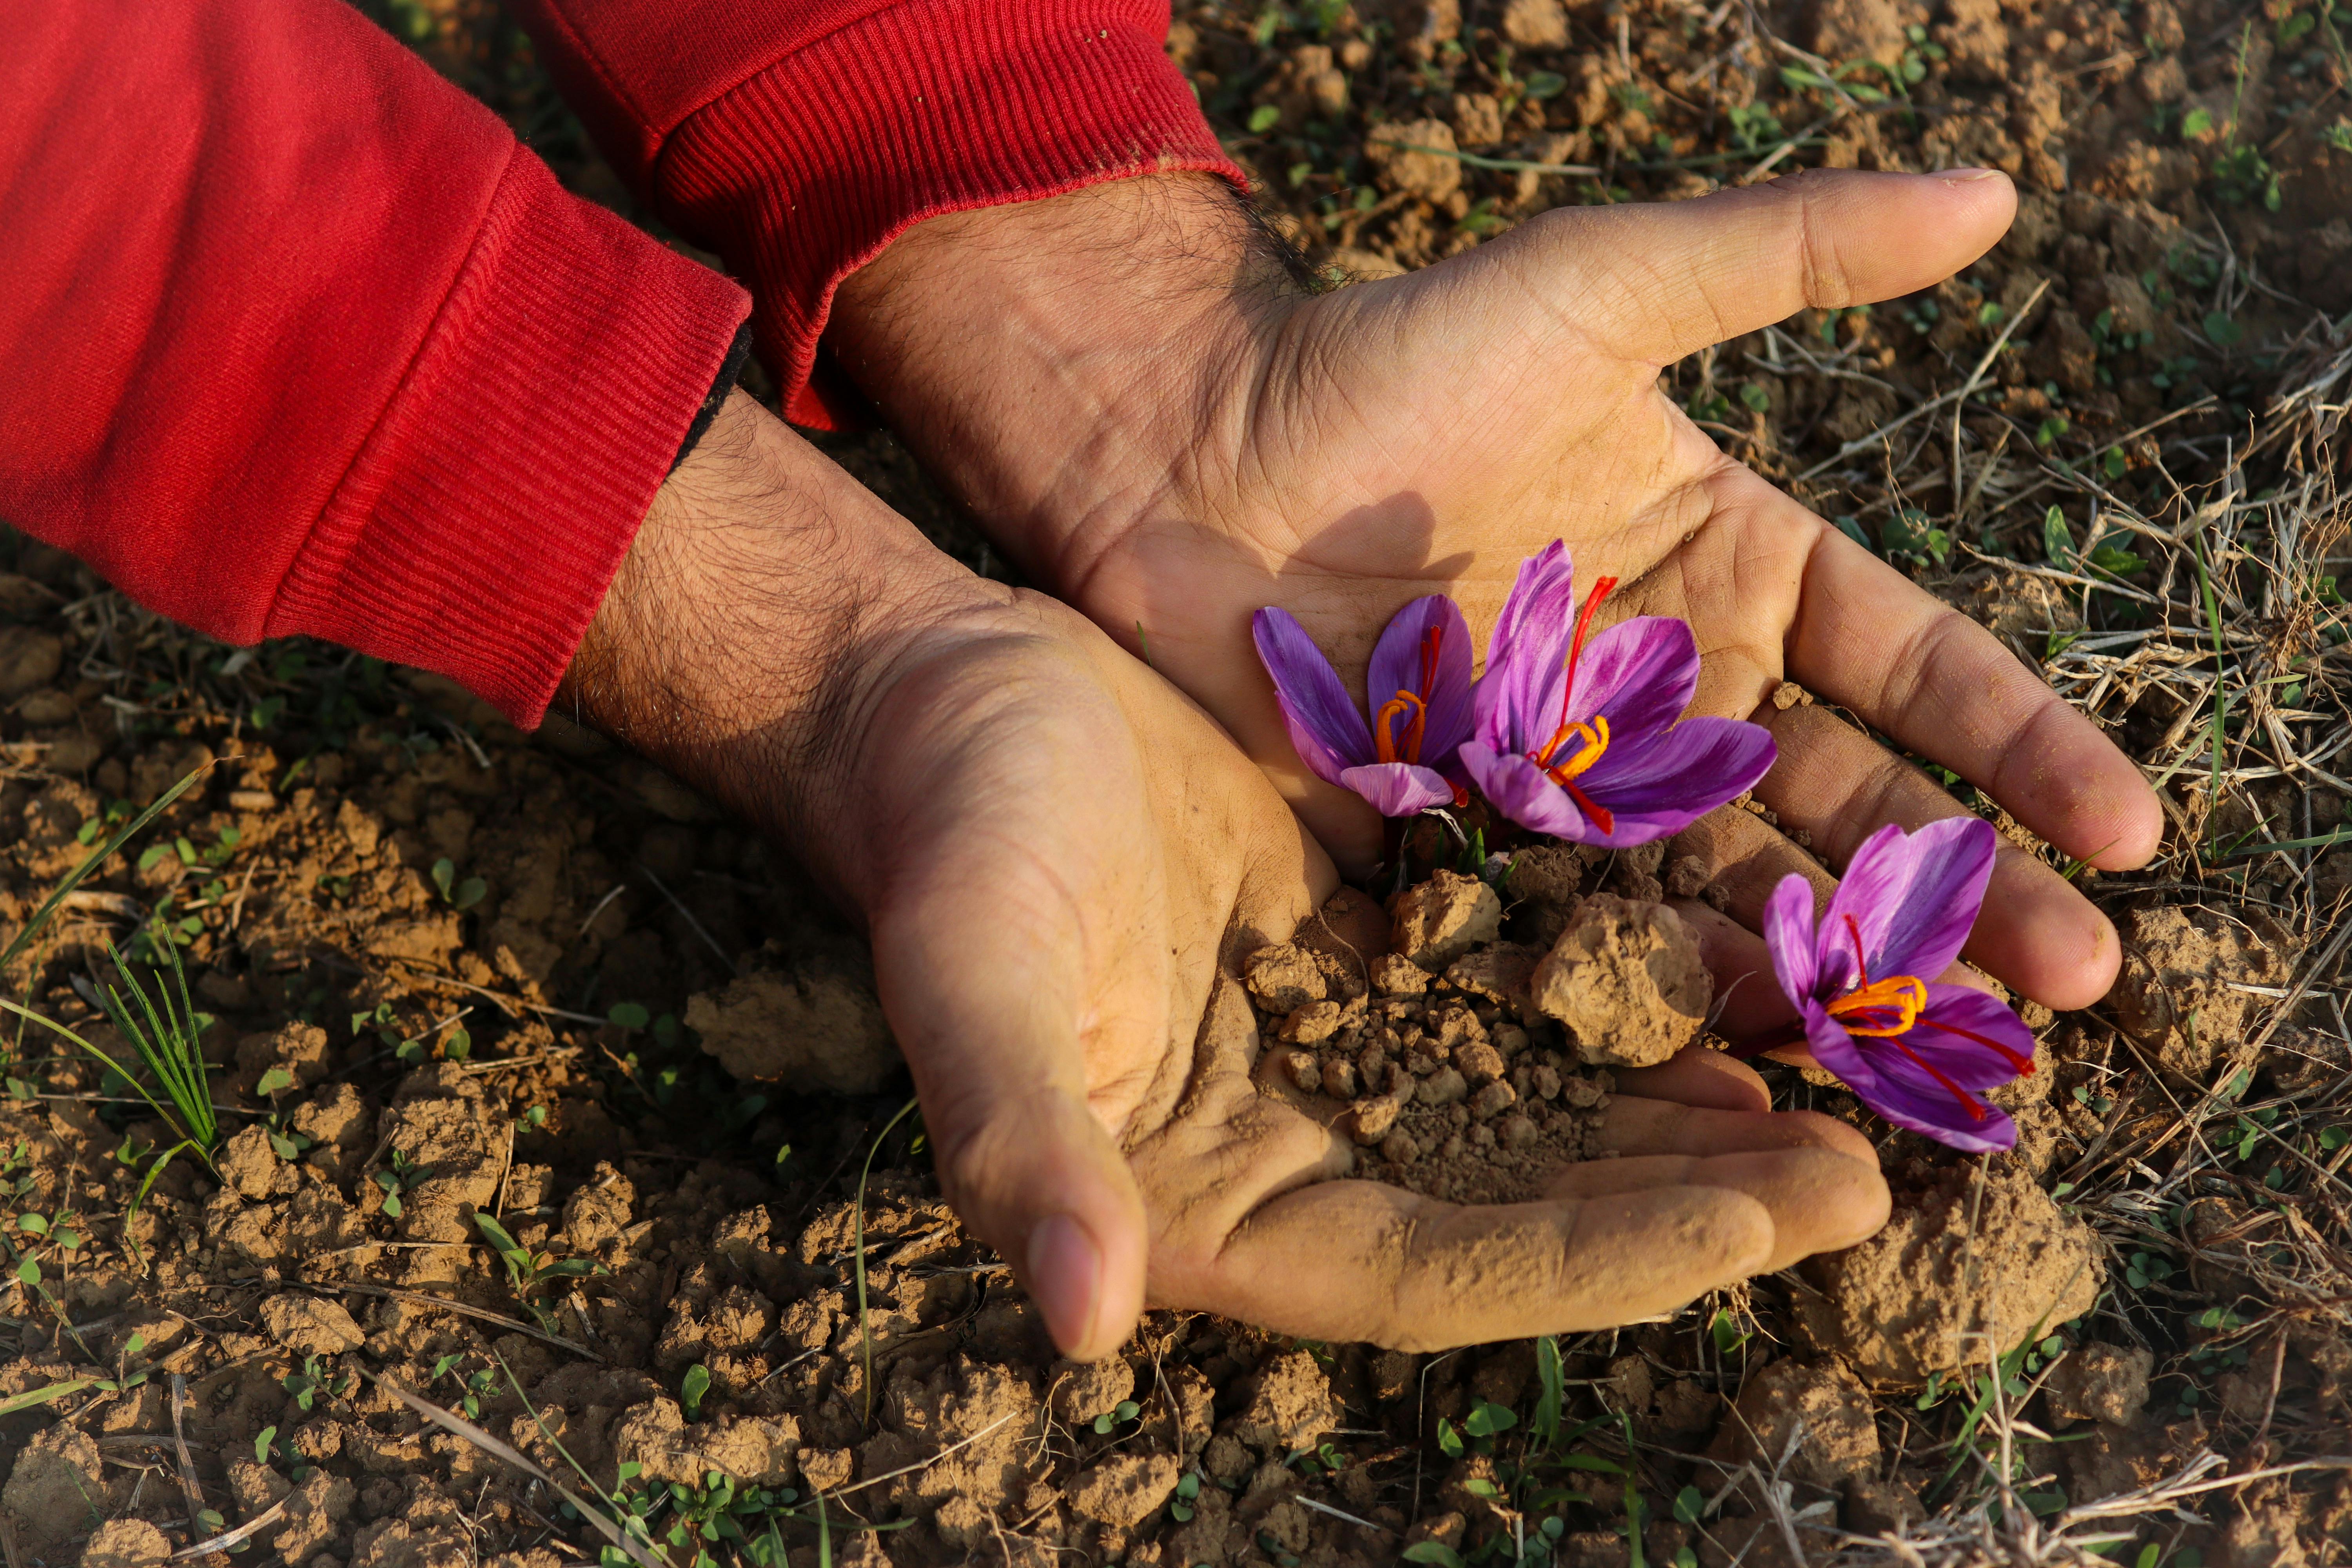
x: 798, y: 137
x: 294, y: 338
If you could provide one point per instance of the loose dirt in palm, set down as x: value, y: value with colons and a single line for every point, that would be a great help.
x: 453, y: 972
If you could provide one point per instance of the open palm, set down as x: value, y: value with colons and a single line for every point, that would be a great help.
x: 1062, y: 858
x: 1339, y: 455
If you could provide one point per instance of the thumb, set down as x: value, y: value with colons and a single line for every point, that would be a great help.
x: 1656, y: 281
x: 1000, y: 1071
x: 1034, y: 1174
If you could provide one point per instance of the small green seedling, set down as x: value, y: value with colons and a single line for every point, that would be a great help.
x: 530, y: 1275
x: 458, y: 895
x: 1127, y: 1410
x: 402, y: 1175
x: 691, y: 1389
x: 307, y: 1384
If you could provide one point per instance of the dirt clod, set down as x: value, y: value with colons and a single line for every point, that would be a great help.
x: 1627, y: 981
x: 2176, y: 992
x: 1402, y: 165
x: 1953, y: 1265
x: 2100, y: 1383
x: 1841, y: 1435
x: 1393, y: 975
x: 1436, y: 922
x: 1126, y: 1489
x: 809, y: 1020
x: 56, y: 1489
x: 311, y: 1325
x: 1289, y: 1408
x: 126, y: 1544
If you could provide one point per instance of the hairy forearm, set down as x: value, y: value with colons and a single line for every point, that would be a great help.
x: 1046, y: 357
x: 749, y: 630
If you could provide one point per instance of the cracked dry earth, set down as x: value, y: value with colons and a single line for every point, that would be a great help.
x: 454, y: 971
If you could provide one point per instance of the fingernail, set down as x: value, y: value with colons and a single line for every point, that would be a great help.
x: 1065, y: 1278
x: 1962, y: 176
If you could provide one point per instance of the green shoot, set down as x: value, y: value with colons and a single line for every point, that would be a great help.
x: 2073, y: 867
x: 1544, y: 1424
x: 73, y: 879
x: 530, y: 1276
x: 864, y: 1327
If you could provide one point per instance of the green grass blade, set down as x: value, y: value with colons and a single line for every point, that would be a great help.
x: 194, y: 1035
x: 170, y: 1117
x: 865, y: 1329
x: 34, y: 1399
x: 2326, y: 840
x: 73, y: 879
x: 155, y: 1170
x: 171, y: 1052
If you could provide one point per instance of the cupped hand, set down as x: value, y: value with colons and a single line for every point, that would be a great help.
x: 1059, y: 857
x: 1153, y: 424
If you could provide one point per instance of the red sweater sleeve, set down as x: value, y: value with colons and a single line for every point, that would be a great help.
x: 798, y: 137
x: 294, y: 338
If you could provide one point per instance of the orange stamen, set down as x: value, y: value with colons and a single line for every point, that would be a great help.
x: 1592, y: 735
x: 1384, y: 743
x: 1907, y: 996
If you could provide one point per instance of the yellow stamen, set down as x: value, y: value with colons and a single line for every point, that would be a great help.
x: 1595, y: 737
x: 1906, y: 994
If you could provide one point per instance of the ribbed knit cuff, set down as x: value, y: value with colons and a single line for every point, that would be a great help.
x: 483, y: 519
x: 801, y: 173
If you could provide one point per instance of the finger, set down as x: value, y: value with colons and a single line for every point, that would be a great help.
x: 1359, y: 1260
x: 1747, y: 996
x: 991, y: 1029
x: 1819, y: 1199
x: 2037, y: 933
x: 1638, y: 1126
x: 1697, y: 1076
x: 1941, y: 685
x: 1654, y: 281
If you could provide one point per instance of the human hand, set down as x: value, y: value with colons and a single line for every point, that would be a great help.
x: 1155, y: 423
x: 1052, y: 850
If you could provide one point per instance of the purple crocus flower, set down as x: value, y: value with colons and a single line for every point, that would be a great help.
x: 1420, y: 682
x: 1911, y: 1049
x: 1579, y: 740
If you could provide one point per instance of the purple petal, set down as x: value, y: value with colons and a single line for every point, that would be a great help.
x: 1396, y: 666
x: 1910, y: 1097
x: 1518, y: 789
x: 1897, y: 1089
x: 1836, y: 1050
x: 1788, y: 936
x: 1531, y: 638
x: 1398, y: 789
x: 1661, y: 783
x: 1913, y: 897
x: 1329, y: 732
x: 1641, y: 673
x: 1953, y: 1015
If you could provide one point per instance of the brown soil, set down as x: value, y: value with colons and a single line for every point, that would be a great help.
x: 401, y: 1051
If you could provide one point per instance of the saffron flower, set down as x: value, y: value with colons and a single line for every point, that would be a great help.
x: 1419, y: 683
x: 1578, y: 738
x: 1916, y: 1052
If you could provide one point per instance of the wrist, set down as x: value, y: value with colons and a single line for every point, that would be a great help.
x: 1057, y: 362
x: 756, y: 623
